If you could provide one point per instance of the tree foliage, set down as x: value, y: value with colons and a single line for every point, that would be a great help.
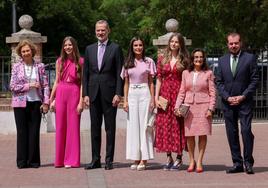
x: 206, y: 22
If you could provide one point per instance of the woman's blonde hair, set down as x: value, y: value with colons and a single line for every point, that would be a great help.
x: 23, y: 43
x: 182, y: 56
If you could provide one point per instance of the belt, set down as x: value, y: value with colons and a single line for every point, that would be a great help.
x: 138, y: 86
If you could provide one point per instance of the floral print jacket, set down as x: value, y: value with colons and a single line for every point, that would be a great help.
x: 19, y: 85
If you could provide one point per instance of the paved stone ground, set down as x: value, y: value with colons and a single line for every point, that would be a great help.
x: 217, y: 159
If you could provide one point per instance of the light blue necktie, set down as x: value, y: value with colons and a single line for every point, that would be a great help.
x: 100, y: 54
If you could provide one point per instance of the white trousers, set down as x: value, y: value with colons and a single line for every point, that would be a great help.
x: 139, y: 138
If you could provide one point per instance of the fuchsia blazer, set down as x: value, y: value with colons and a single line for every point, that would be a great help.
x: 204, y: 91
x: 19, y: 84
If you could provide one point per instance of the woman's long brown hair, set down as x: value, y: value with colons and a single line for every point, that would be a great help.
x: 130, y: 60
x: 75, y: 56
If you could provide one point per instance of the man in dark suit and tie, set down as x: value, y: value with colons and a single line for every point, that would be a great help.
x: 102, y: 86
x: 237, y: 79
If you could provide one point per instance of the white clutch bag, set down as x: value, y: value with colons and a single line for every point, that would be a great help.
x: 151, y: 118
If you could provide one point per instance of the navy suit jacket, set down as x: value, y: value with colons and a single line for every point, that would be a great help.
x: 107, y: 79
x: 245, y: 80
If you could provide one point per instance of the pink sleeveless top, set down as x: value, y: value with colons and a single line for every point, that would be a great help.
x: 69, y: 71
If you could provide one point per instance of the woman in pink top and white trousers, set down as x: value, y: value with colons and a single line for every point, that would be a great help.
x: 138, y: 73
x: 67, y: 90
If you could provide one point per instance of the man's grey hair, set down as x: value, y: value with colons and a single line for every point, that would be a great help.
x: 103, y: 22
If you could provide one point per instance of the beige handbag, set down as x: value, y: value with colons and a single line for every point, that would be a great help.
x: 163, y: 102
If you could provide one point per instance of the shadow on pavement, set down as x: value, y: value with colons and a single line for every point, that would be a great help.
x: 47, y: 165
x: 149, y: 166
x: 260, y: 169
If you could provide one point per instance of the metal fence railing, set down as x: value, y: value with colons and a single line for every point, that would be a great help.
x: 5, y: 69
x: 50, y: 69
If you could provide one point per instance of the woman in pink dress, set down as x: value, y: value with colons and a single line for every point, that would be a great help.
x: 67, y: 90
x: 198, y: 91
x: 169, y: 128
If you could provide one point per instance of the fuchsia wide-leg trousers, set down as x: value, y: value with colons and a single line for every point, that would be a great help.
x: 67, y: 125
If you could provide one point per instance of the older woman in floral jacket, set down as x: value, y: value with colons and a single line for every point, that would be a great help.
x: 30, y: 96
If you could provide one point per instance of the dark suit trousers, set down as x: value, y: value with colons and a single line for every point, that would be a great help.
x: 99, y: 108
x: 231, y: 115
x: 28, y: 134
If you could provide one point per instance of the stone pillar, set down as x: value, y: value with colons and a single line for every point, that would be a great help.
x: 172, y: 26
x: 26, y: 22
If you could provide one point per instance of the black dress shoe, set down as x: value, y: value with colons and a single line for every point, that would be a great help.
x: 93, y: 165
x: 34, y: 165
x: 235, y: 169
x: 249, y: 169
x: 109, y: 166
x: 21, y: 166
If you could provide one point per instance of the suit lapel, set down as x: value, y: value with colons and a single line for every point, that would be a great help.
x: 228, y: 66
x: 191, y: 77
x: 95, y: 55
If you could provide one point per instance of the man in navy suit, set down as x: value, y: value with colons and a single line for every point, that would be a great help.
x: 237, y: 79
x: 102, y: 86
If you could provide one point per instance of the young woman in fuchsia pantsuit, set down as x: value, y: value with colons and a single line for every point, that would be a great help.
x: 68, y: 104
